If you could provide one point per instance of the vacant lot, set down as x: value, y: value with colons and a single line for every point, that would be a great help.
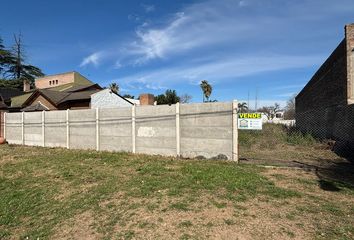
x: 60, y: 194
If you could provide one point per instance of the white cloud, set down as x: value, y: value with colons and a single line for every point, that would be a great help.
x: 220, y: 69
x: 93, y: 59
x: 148, y: 8
x: 118, y: 65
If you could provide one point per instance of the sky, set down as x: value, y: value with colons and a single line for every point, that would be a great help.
x: 267, y: 49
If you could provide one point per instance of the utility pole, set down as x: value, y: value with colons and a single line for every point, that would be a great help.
x: 248, y: 101
x: 256, y: 102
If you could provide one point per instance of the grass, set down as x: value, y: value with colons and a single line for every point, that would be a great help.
x: 280, y: 145
x: 58, y: 193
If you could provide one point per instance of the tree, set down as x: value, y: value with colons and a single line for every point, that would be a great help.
x: 5, y: 57
x: 289, y: 113
x: 206, y: 89
x: 160, y: 99
x: 15, y: 83
x: 17, y: 69
x: 128, y: 96
x: 114, y: 87
x: 170, y: 97
x: 242, y: 107
x: 270, y: 111
x: 185, y: 98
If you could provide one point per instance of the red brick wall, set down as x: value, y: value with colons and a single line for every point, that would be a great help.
x: 146, y: 99
x: 1, y: 124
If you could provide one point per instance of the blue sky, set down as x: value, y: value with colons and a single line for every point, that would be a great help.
x: 239, y: 46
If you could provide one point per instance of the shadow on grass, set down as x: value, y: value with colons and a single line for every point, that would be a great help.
x: 334, y: 177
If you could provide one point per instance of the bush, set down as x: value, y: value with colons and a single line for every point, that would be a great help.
x: 273, y: 135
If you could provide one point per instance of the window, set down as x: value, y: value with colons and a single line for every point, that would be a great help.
x: 50, y: 82
x: 56, y: 81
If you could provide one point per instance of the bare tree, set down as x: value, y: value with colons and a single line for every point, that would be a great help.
x: 270, y: 111
x: 289, y: 113
x: 185, y: 98
x: 17, y: 68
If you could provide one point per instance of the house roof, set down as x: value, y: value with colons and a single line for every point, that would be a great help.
x: 107, y: 89
x: 3, y: 105
x: 36, y: 107
x: 57, y: 98
x: 7, y: 93
x: 18, y: 101
x: 73, y: 96
x: 80, y: 89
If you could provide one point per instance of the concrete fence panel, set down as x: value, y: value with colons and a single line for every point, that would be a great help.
x: 13, y: 128
x: 82, y: 129
x: 55, y: 129
x: 115, y: 129
x: 206, y: 130
x: 156, y: 129
x: 33, y: 129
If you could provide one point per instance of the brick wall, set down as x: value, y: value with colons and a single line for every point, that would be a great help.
x: 349, y: 34
x: 324, y: 107
x: 1, y: 124
x: 64, y: 78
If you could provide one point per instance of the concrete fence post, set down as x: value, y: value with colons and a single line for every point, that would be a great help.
x: 234, y: 131
x: 23, y: 127
x: 97, y: 129
x: 67, y: 129
x: 43, y: 128
x: 133, y: 129
x: 4, y: 125
x: 178, y: 136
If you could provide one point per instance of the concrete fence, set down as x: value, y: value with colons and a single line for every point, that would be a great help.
x: 185, y: 130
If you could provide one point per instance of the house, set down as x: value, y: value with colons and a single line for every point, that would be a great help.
x: 5, y: 101
x: 106, y: 98
x: 325, y: 106
x: 5, y: 97
x: 63, y: 91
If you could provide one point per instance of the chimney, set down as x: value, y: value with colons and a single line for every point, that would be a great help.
x: 146, y: 99
x: 26, y: 85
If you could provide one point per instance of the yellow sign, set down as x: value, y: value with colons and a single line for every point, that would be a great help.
x: 250, y: 115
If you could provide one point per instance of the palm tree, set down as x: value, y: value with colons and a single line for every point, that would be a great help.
x: 207, y: 89
x: 114, y: 87
x: 242, y: 107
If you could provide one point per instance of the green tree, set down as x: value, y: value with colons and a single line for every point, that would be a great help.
x: 128, y: 96
x: 206, y: 89
x: 170, y: 97
x: 114, y: 87
x: 16, y: 67
x: 5, y: 57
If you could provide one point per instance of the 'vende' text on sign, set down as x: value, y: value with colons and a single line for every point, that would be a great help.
x: 250, y: 121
